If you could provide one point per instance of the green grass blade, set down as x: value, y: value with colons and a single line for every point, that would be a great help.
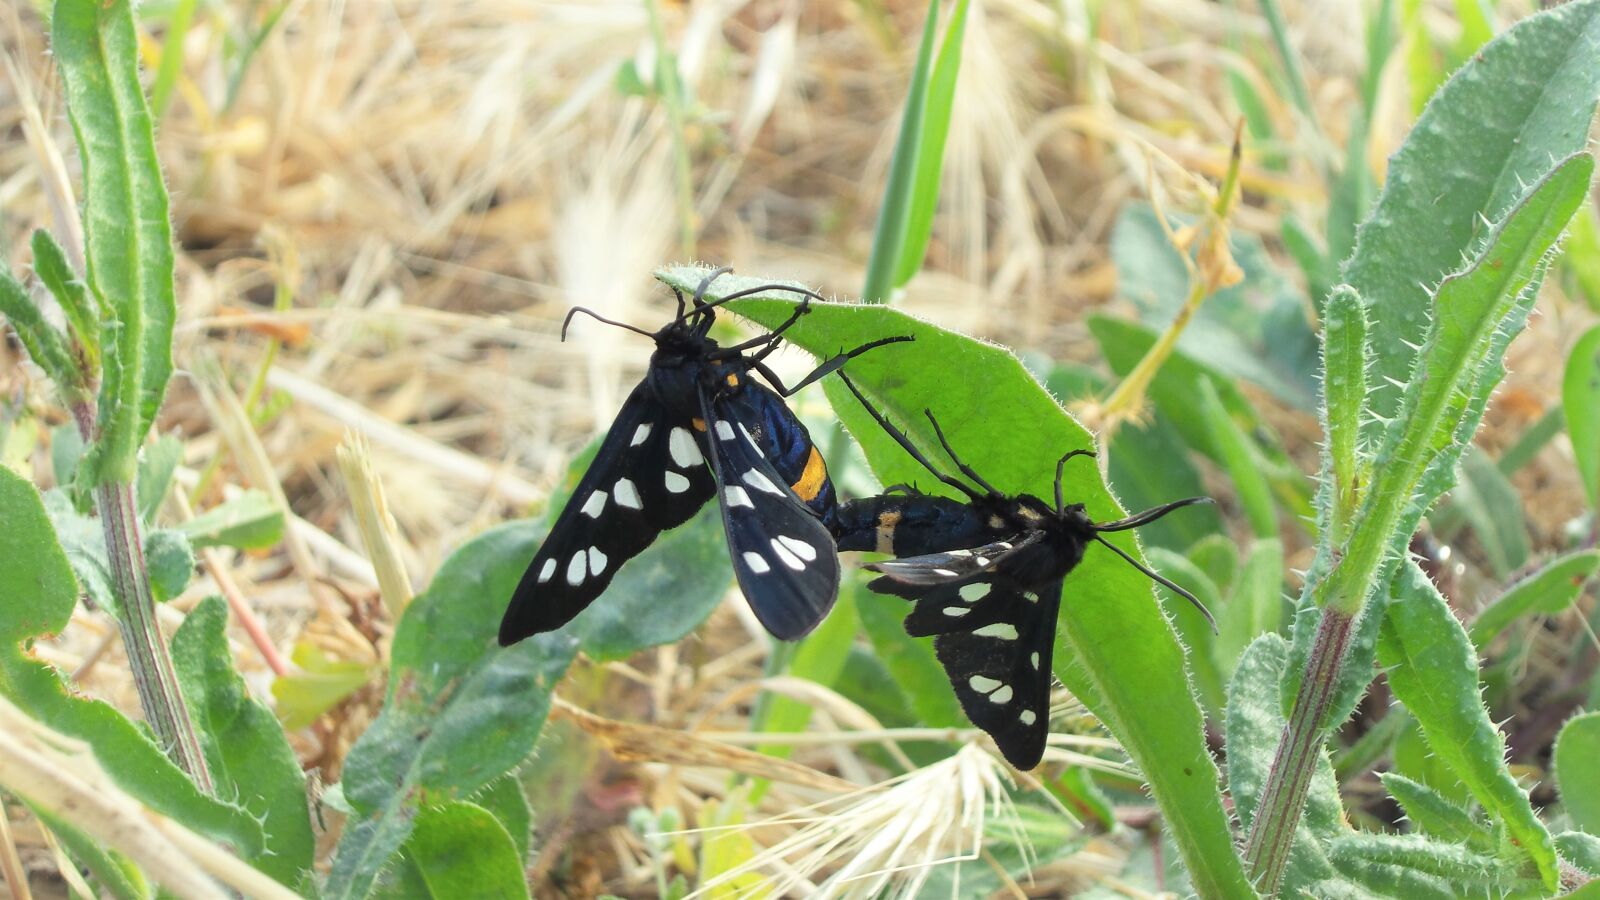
x: 889, y: 238
x: 1255, y: 606
x: 171, y: 57
x: 1115, y: 649
x: 936, y: 114
x: 1433, y: 670
x: 1580, y: 399
x: 127, y: 231
x: 1246, y: 472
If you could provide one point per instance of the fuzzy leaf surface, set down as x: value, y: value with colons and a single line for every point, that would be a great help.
x: 245, y: 748
x: 458, y: 849
x: 1433, y: 670
x: 1549, y: 591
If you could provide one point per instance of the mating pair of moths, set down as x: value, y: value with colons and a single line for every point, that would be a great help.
x: 985, y: 573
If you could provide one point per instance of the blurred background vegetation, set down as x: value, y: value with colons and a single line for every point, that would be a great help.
x: 384, y: 208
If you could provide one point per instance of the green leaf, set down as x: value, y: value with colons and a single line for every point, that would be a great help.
x: 1583, y: 256
x: 171, y: 56
x: 170, y: 562
x: 819, y: 658
x: 460, y: 711
x: 1549, y: 591
x: 660, y: 595
x: 1255, y: 720
x: 1244, y: 469
x: 1344, y: 394
x: 84, y: 542
x: 1580, y: 398
x: 127, y: 231
x: 505, y: 800
x: 1433, y: 670
x: 1417, y: 852
x: 1580, y: 849
x: 1255, y: 606
x: 1478, y: 311
x: 50, y: 264
x: 1435, y: 814
x: 1194, y: 632
x: 37, y: 584
x: 66, y: 449
x: 1525, y: 99
x: 1115, y: 649
x: 115, y: 873
x: 1216, y: 555
x: 1577, y: 748
x: 889, y: 237
x: 244, y: 746
x: 318, y: 685
x: 250, y: 521
x: 158, y: 461
x: 1531, y: 441
x: 45, y: 343
x: 935, y: 125
x: 458, y: 849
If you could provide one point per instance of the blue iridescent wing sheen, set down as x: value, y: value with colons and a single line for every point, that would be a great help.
x: 907, y: 522
x: 782, y: 553
x: 993, y: 633
x: 649, y: 475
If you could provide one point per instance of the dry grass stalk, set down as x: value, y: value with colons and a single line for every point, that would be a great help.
x: 379, y: 534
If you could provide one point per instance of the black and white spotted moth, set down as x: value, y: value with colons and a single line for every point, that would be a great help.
x: 986, y: 576
x: 698, y: 402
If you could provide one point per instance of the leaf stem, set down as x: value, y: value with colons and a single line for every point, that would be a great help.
x: 153, y: 673
x: 1266, y: 852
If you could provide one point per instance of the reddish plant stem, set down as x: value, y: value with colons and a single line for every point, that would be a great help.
x: 1283, y: 798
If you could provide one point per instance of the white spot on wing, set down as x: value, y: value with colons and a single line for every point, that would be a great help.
x: 956, y: 612
x: 1002, y: 696
x: 1027, y: 717
x: 983, y: 684
x: 548, y: 570
x: 756, y: 563
x: 948, y: 573
x: 800, y: 548
x: 1003, y: 545
x: 575, y: 568
x: 1005, y: 631
x: 1033, y: 659
x: 724, y: 430
x: 959, y: 553
x: 787, y: 556
x: 682, y: 447
x: 639, y: 434
x: 676, y: 483
x: 627, y: 495
x: 1030, y: 596
x: 597, y: 561
x: 595, y: 503
x: 974, y: 592
x: 734, y: 495
x: 981, y: 561
x: 761, y: 482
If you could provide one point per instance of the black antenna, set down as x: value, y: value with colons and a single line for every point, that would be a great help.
x: 905, y: 442
x: 1150, y: 515
x: 713, y: 275
x: 1164, y: 582
x: 592, y: 314
x: 1061, y: 465
x: 950, y: 451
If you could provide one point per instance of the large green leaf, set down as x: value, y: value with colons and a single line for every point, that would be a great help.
x: 246, y: 751
x: 460, y: 711
x: 1525, y: 99
x: 1115, y: 649
x: 39, y: 593
x: 1433, y: 670
x: 127, y: 232
x: 458, y: 849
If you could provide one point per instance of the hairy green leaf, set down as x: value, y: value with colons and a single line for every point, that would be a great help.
x: 170, y: 561
x: 1344, y: 394
x: 45, y: 343
x: 1436, y: 815
x: 1580, y: 849
x: 127, y: 231
x: 1115, y: 649
x: 458, y: 849
x: 158, y: 461
x: 1546, y: 592
x: 246, y: 751
x: 1416, y: 852
x: 1433, y: 670
x: 50, y: 264
x: 505, y: 800
x: 1577, y: 748
x: 460, y: 712
x: 1525, y: 99
x: 40, y: 593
